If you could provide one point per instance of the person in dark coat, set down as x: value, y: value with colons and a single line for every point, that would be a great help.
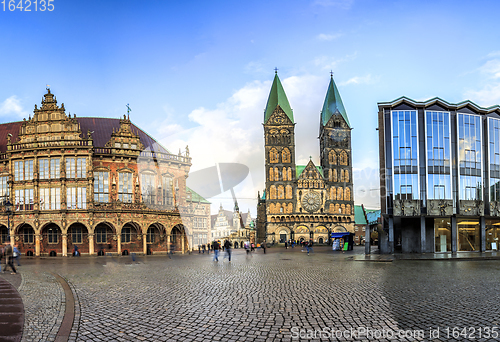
x: 227, y: 247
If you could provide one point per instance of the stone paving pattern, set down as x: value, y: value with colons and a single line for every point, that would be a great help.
x: 260, y: 298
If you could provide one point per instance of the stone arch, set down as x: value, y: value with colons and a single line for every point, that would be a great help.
x: 178, y: 238
x: 339, y: 229
x: 78, y: 235
x: 4, y: 234
x: 282, y: 233
x: 155, y: 238
x: 344, y: 158
x: 273, y: 155
x: 286, y: 155
x: 27, y: 238
x: 51, y: 239
x: 105, y: 238
x: 332, y: 157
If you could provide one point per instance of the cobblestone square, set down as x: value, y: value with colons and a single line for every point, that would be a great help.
x: 283, y: 295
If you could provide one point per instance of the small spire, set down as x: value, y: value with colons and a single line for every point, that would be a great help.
x: 276, y: 70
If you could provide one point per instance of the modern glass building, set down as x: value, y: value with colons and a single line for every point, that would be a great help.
x: 439, y: 175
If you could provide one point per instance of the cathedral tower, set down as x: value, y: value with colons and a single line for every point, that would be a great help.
x: 335, y: 154
x: 280, y: 151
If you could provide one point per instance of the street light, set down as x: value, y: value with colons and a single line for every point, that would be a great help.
x: 8, y: 210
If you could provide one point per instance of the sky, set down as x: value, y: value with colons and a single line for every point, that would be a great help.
x: 198, y: 73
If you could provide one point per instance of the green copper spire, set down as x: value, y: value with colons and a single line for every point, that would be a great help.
x: 277, y: 97
x: 333, y: 105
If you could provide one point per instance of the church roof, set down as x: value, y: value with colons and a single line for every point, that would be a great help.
x: 102, y: 128
x: 277, y: 97
x: 195, y: 197
x: 333, y: 105
x: 300, y: 168
x: 359, y: 217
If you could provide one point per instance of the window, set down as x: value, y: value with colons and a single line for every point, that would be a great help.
x: 52, y: 235
x: 168, y: 198
x: 125, y: 187
x: 76, y: 198
x: 50, y: 198
x: 70, y: 167
x: 55, y: 171
x: 405, y: 154
x: 4, y: 189
x: 125, y: 235
x: 76, y: 167
x: 28, y: 235
x: 76, y: 234
x: 100, y: 235
x: 101, y: 187
x: 4, y: 234
x: 469, y: 156
x: 23, y: 170
x: 494, y: 163
x: 148, y: 188
x: 44, y: 168
x: 24, y: 199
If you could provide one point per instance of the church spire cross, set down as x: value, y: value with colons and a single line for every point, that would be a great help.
x: 331, y: 73
x: 276, y: 70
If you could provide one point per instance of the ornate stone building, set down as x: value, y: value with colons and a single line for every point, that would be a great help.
x: 303, y: 202
x: 200, y: 217
x: 231, y: 225
x: 100, y: 184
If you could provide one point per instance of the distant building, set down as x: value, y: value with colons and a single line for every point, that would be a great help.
x: 303, y: 202
x: 373, y: 219
x: 231, y: 225
x: 440, y: 176
x: 200, y: 217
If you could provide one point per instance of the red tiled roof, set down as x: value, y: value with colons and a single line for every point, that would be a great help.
x: 102, y: 128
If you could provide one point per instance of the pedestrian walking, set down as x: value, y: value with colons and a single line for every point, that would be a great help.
x: 9, y: 255
x: 252, y: 247
x: 216, y: 247
x: 286, y: 245
x: 227, y: 247
x: 171, y: 251
x: 204, y: 247
x: 309, y: 247
x: 17, y: 255
x: 75, y: 251
x: 264, y: 247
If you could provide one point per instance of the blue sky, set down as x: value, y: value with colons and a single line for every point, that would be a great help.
x: 199, y: 72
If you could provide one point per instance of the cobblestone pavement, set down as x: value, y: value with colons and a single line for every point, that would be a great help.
x: 282, y: 295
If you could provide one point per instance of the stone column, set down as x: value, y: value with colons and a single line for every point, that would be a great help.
x: 37, y: 245
x: 119, y: 244
x: 482, y: 233
x: 91, y: 244
x: 12, y: 238
x: 144, y: 245
x: 168, y: 243
x: 64, y: 245
x: 454, y: 234
x: 391, y: 235
x: 423, y: 244
x: 183, y: 237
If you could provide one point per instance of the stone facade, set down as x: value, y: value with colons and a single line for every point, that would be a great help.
x: 306, y: 202
x: 102, y: 185
x: 231, y: 225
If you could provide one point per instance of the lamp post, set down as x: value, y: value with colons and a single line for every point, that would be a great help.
x: 8, y: 210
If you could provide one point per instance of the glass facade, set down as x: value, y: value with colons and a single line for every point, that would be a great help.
x: 405, y: 154
x: 442, y: 234
x: 469, y: 157
x: 468, y: 234
x: 494, y: 158
x: 492, y: 233
x: 438, y: 155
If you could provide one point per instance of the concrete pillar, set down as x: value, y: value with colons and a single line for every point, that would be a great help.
x: 482, y: 233
x: 119, y: 244
x: 37, y: 245
x: 391, y: 235
x: 423, y: 244
x: 64, y: 245
x: 367, y: 239
x: 91, y: 244
x: 144, y: 245
x: 454, y: 234
x: 168, y: 243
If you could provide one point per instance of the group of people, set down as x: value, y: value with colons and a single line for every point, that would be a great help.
x: 7, y: 256
x: 216, y: 246
x: 305, y: 244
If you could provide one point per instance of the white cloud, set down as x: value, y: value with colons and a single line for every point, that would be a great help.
x: 329, y: 63
x: 11, y: 107
x: 328, y: 37
x: 490, y: 93
x: 368, y: 79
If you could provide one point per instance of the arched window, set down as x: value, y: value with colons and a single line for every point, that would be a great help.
x: 286, y: 156
x: 290, y: 208
x: 289, y: 192
x: 289, y: 173
x: 276, y: 174
x: 273, y: 156
x: 342, y: 179
x: 331, y: 208
x: 347, y: 194
x: 332, y: 157
x: 281, y: 192
x: 337, y: 208
x: 346, y: 176
x: 333, y: 193
x: 334, y: 175
x: 272, y: 191
x: 271, y: 174
x: 271, y: 208
x: 284, y: 174
x: 342, y: 209
x: 340, y: 193
x: 278, y: 208
x: 344, y: 158
x: 348, y: 209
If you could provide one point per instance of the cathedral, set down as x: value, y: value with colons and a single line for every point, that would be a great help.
x: 303, y: 202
